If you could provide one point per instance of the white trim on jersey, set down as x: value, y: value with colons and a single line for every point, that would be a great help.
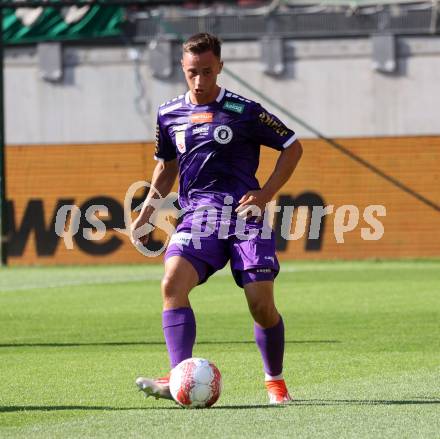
x: 158, y: 159
x: 221, y: 94
x: 218, y: 98
x: 289, y: 141
x: 170, y: 108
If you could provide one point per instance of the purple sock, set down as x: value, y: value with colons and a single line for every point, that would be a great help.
x: 179, y: 328
x: 270, y: 341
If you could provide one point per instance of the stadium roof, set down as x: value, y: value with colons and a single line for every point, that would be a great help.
x: 85, y: 20
x: 247, y: 5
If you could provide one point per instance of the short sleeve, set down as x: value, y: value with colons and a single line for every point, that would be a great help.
x: 270, y: 131
x: 165, y: 150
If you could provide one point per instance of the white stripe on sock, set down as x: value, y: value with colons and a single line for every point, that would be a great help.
x: 268, y: 377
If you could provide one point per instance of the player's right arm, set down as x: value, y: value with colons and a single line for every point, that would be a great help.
x: 164, y: 176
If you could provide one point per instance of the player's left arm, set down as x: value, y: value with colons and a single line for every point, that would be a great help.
x: 286, y: 164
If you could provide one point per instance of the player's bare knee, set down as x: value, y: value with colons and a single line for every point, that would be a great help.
x: 174, y: 291
x: 264, y: 314
x: 169, y: 286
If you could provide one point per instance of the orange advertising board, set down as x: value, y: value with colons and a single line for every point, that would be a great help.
x: 352, y: 198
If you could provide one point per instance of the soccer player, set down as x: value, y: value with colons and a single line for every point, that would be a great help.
x: 210, y: 138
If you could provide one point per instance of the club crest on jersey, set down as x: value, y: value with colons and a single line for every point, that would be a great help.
x: 223, y: 134
x: 180, y: 141
x: 201, y: 117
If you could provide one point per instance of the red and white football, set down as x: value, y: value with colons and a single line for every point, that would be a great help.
x: 195, y: 383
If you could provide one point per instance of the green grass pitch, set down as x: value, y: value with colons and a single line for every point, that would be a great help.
x: 362, y: 353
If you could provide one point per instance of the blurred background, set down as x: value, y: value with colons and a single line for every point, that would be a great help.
x: 357, y: 80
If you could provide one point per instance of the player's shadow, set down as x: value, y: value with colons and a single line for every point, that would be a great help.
x: 296, y: 403
x: 247, y: 406
x: 369, y: 402
x: 48, y: 408
x: 151, y: 343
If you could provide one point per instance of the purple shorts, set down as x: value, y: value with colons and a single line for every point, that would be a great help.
x: 251, y: 259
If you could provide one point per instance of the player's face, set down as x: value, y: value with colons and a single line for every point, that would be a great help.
x: 201, y: 71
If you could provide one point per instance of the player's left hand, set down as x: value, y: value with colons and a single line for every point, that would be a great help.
x: 253, y: 204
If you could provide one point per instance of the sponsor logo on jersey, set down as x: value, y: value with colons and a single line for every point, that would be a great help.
x: 264, y: 270
x: 277, y: 126
x: 234, y: 106
x: 201, y: 117
x: 202, y: 130
x: 223, y: 134
x: 180, y: 141
x: 182, y: 127
x: 182, y: 238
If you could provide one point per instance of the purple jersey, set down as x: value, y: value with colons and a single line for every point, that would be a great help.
x: 217, y: 145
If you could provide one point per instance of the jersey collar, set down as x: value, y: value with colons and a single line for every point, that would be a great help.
x: 219, y: 97
x: 221, y: 94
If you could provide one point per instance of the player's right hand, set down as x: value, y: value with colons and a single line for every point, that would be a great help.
x: 140, y: 230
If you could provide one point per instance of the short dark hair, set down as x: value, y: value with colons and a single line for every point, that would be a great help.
x: 203, y: 42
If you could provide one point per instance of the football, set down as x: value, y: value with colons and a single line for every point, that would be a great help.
x: 195, y: 383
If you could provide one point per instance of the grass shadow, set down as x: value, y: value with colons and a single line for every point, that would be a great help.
x: 149, y: 343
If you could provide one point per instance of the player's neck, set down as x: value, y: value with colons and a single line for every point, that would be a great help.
x: 199, y: 100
